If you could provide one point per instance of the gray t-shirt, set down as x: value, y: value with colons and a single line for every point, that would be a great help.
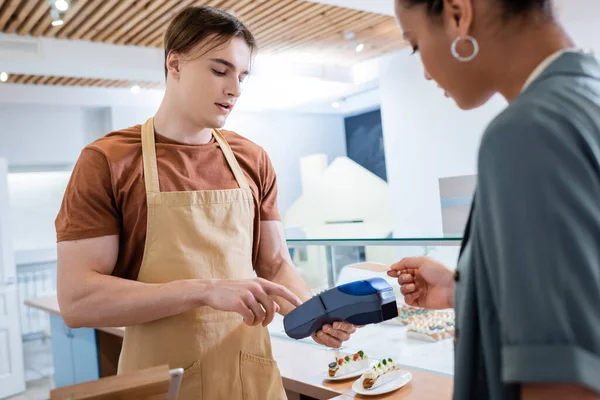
x: 528, y: 282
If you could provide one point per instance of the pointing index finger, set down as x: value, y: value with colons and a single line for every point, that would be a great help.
x: 273, y: 289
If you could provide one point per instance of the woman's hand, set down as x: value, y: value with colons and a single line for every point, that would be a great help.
x: 424, y: 282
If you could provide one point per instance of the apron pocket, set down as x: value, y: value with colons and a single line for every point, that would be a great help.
x: 260, y: 377
x: 191, y: 384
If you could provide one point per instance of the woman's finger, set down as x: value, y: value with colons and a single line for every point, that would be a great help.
x: 408, y: 289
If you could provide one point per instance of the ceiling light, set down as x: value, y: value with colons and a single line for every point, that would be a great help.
x: 56, y: 19
x: 135, y: 89
x: 360, y: 47
x: 3, y: 76
x: 61, y: 5
x: 349, y: 35
x: 335, y: 104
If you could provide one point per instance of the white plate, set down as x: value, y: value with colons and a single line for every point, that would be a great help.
x: 351, y: 374
x: 400, y: 378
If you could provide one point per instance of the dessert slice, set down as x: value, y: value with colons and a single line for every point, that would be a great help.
x: 348, y: 364
x: 379, y: 374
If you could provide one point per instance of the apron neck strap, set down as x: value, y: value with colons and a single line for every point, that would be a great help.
x: 151, y: 166
x: 231, y: 160
x: 149, y: 157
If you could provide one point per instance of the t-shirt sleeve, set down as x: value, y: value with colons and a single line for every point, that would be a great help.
x: 269, y: 211
x: 539, y: 207
x: 88, y: 208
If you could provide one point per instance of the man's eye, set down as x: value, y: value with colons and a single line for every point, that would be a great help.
x: 415, y: 49
x: 219, y: 73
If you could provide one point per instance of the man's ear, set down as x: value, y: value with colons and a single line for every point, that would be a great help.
x: 174, y: 64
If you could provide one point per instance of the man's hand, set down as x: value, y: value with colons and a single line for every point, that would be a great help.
x: 250, y: 298
x: 334, y: 336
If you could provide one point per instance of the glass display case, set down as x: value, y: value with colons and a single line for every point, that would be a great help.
x: 325, y: 263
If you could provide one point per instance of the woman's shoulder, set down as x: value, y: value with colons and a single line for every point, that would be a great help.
x: 566, y: 111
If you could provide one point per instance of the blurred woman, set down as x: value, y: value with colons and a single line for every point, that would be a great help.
x: 527, y: 286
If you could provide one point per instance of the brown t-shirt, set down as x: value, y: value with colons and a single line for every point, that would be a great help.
x: 107, y: 196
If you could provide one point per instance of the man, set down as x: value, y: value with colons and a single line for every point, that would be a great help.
x: 163, y: 226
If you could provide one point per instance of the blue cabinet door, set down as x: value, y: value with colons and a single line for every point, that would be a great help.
x: 62, y: 352
x: 74, y: 352
x: 85, y: 355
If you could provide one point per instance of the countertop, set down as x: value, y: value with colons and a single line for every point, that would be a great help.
x: 303, y: 364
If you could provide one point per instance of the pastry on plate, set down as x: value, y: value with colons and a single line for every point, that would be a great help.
x: 348, y: 364
x: 379, y: 374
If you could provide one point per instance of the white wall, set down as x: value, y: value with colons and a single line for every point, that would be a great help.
x: 426, y: 137
x: 41, y: 137
x: 125, y: 117
x: 287, y: 137
x: 46, y: 135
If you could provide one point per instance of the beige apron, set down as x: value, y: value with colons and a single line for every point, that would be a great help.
x: 203, y: 234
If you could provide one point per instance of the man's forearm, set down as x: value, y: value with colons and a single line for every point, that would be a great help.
x: 108, y: 301
x: 287, y: 275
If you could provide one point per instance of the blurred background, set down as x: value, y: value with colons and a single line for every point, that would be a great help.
x: 373, y: 162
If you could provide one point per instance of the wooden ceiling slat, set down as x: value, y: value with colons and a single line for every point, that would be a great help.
x: 318, y: 24
x: 20, y: 16
x: 301, y: 13
x: 153, y: 34
x: 61, y: 81
x: 121, y: 23
x: 156, y: 39
x: 160, y: 24
x: 29, y: 79
x: 7, y: 12
x: 44, y: 80
x: 43, y: 24
x: 108, y: 19
x: 99, y: 13
x: 301, y: 26
x: 11, y: 78
x: 41, y: 8
x: 148, y: 21
x: 275, y: 9
x: 228, y: 5
x: 20, y: 79
x: 259, y: 8
x: 79, y: 19
x: 135, y: 20
x: 290, y: 27
x: 349, y: 25
x: 52, y: 80
x: 250, y: 6
x: 67, y: 18
x: 338, y: 28
x: 366, y: 31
